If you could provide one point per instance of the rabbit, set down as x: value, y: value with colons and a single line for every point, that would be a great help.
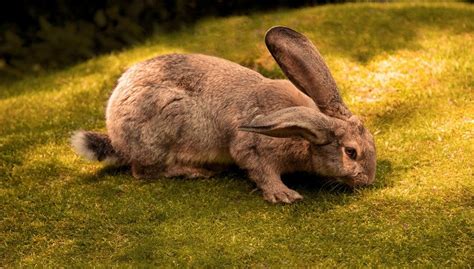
x: 184, y: 114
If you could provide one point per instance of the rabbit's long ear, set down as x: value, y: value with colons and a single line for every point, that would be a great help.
x: 299, y: 121
x: 304, y: 66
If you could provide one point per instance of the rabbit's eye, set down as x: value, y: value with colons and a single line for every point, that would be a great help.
x: 351, y: 152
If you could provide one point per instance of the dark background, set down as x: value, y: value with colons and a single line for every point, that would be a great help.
x: 40, y: 35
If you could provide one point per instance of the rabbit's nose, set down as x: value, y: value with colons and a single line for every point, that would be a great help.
x: 361, y: 179
x: 358, y: 173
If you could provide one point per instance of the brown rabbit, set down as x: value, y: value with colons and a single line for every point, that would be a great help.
x: 179, y: 114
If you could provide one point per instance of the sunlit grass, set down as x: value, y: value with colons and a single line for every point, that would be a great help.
x: 406, y: 69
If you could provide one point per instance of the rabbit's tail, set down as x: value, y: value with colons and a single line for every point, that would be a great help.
x: 95, y: 147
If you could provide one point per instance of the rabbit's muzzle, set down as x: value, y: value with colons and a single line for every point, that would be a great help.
x: 358, y: 180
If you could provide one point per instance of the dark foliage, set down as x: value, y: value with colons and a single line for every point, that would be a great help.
x: 45, y: 34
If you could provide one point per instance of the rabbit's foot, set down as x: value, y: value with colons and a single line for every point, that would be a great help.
x: 280, y: 194
x: 188, y: 172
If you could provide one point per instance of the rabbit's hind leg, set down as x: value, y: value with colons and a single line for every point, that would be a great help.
x: 156, y: 171
x: 188, y: 172
x: 146, y: 172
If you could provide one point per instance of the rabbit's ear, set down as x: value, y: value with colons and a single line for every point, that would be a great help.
x: 304, y: 122
x: 304, y: 66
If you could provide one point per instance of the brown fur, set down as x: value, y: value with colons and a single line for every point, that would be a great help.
x: 174, y: 114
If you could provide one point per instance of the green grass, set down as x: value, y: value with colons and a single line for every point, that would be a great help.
x: 407, y: 69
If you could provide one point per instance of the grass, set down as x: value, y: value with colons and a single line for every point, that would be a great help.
x: 407, y: 69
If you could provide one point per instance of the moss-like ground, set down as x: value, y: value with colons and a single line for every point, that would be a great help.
x: 407, y: 69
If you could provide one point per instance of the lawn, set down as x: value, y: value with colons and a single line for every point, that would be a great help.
x: 406, y: 69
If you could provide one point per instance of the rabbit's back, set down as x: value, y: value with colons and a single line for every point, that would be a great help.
x: 186, y: 108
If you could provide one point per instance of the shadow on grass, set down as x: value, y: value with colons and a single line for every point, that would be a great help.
x: 398, y: 114
x: 105, y: 172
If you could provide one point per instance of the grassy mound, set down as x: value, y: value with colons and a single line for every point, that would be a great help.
x: 407, y: 69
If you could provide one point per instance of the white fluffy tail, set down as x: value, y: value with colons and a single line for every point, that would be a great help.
x: 95, y: 147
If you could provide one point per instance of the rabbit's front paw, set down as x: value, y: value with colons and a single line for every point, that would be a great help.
x: 281, y: 194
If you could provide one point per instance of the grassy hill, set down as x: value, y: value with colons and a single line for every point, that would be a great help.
x: 407, y: 69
